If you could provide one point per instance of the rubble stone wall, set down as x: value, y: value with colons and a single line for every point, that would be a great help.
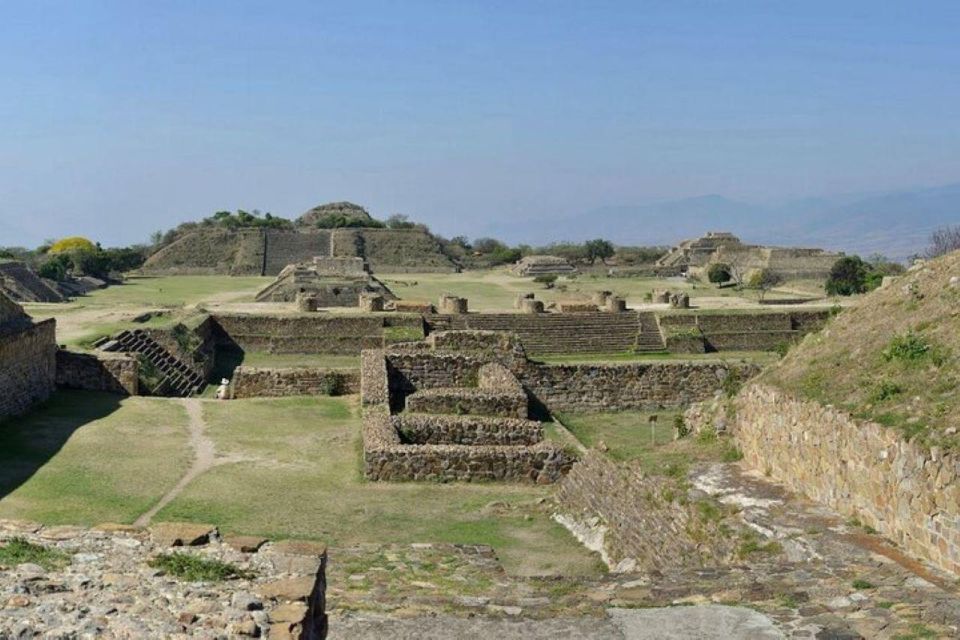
x: 28, y: 366
x: 110, y: 372
x: 632, y: 386
x: 257, y: 382
x: 640, y: 517
x: 473, y: 430
x: 908, y: 492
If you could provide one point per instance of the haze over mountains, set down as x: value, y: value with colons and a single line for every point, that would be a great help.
x: 896, y: 224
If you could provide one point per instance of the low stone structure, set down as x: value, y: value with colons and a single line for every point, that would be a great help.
x: 576, y: 306
x: 449, y: 446
x: 695, y: 257
x: 107, y: 588
x: 531, y: 306
x: 909, y: 493
x: 273, y: 382
x: 27, y: 359
x: 327, y: 281
x: 101, y: 371
x: 371, y: 302
x: 453, y: 304
x: 641, y: 521
x: 543, y: 265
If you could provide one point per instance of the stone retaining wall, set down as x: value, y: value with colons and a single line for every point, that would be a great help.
x: 864, y: 470
x: 254, y: 382
x: 475, y: 402
x: 110, y: 372
x: 28, y: 366
x: 630, y: 516
x: 632, y: 386
x: 472, y: 430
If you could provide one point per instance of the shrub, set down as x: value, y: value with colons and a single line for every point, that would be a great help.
x: 908, y: 347
x: 547, y: 280
x: 196, y: 569
x: 885, y: 390
x: 719, y: 273
x: 862, y: 584
x: 680, y: 426
x: 55, y: 268
x: 330, y: 384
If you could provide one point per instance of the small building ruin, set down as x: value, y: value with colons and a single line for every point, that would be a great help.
x: 328, y: 282
x: 532, y: 266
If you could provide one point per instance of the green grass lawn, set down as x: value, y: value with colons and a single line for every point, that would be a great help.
x: 301, y: 478
x: 628, y: 436
x: 86, y: 458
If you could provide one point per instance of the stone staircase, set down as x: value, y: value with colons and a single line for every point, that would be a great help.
x: 649, y: 338
x: 177, y: 379
x: 554, y: 333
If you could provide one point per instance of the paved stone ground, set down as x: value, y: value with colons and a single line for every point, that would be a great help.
x: 822, y: 578
x: 701, y: 622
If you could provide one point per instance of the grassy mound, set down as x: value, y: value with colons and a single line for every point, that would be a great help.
x: 893, y: 359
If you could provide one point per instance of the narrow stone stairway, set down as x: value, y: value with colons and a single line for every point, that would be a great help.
x: 649, y: 338
x: 177, y: 379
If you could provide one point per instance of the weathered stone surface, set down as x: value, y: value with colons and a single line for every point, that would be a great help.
x: 111, y: 372
x: 245, y: 544
x: 259, y: 382
x: 179, y: 534
x: 27, y: 359
x: 106, y: 588
x: 862, y: 469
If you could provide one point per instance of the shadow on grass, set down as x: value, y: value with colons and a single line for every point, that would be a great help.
x: 28, y: 442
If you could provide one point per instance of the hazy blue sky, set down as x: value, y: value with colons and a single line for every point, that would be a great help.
x: 119, y: 118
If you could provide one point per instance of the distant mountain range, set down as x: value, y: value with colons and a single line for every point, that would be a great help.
x: 896, y: 224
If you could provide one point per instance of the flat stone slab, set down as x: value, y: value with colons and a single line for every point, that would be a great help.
x: 700, y: 622
x: 181, y: 534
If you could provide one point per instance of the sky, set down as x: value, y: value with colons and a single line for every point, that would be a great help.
x: 122, y: 118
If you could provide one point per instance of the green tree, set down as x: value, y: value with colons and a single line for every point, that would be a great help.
x: 598, y: 249
x: 763, y: 280
x: 719, y: 273
x: 848, y: 276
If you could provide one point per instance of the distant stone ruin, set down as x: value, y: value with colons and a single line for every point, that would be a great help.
x: 251, y: 251
x: 20, y: 283
x: 695, y: 256
x: 327, y: 282
x: 28, y: 352
x: 543, y: 265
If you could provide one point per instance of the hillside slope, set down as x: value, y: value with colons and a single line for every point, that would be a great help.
x: 892, y: 359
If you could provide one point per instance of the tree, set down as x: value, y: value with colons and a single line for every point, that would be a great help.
x: 763, y: 280
x: 719, y: 273
x: 71, y: 244
x: 848, y: 276
x: 399, y: 221
x: 943, y: 241
x: 598, y: 248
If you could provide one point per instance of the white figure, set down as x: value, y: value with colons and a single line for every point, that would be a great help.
x: 223, y: 391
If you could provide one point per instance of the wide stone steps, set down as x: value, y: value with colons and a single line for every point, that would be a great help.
x: 560, y: 333
x: 177, y: 379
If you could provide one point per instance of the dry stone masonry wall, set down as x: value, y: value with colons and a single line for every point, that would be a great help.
x: 28, y: 364
x: 101, y: 371
x: 643, y: 519
x: 864, y: 470
x: 254, y: 382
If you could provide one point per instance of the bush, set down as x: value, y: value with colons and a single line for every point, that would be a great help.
x: 546, y: 279
x: 55, y: 268
x: 908, y: 347
x: 885, y: 390
x: 764, y: 280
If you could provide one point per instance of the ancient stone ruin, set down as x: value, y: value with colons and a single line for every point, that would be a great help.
x: 531, y: 266
x: 695, y: 256
x: 28, y: 352
x: 328, y: 282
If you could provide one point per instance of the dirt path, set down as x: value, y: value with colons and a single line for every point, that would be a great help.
x: 204, y: 458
